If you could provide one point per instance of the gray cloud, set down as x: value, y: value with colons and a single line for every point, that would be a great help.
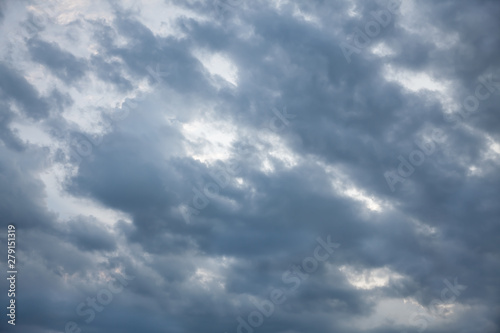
x: 14, y: 87
x: 322, y: 174
x: 63, y: 64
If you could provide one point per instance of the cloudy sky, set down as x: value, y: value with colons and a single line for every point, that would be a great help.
x: 247, y: 166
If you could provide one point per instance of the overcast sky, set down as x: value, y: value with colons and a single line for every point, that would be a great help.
x: 267, y: 166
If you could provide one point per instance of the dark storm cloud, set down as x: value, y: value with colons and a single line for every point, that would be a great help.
x: 362, y: 134
x: 144, y: 186
x: 17, y: 91
x: 62, y: 64
x: 47, y: 250
x: 14, y: 87
x: 22, y: 193
x: 441, y: 223
x: 145, y: 54
x: 88, y: 234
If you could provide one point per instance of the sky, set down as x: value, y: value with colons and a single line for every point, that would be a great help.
x: 244, y: 166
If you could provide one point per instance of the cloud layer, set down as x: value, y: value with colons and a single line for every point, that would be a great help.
x: 182, y: 166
